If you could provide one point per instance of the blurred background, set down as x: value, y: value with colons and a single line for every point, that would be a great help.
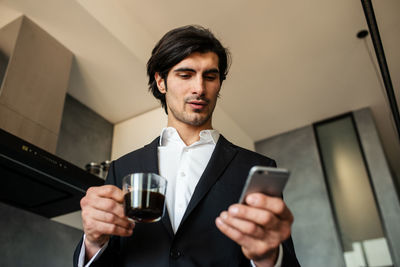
x: 302, y: 89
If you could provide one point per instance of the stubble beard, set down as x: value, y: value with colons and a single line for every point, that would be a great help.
x: 192, y: 119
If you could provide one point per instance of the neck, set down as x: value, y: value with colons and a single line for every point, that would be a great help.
x: 189, y: 133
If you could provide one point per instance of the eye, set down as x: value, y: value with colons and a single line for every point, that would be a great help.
x: 184, y: 75
x: 210, y: 77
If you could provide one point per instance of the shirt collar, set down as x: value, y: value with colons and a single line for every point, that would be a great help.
x: 170, y: 134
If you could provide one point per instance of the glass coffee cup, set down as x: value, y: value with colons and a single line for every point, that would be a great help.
x: 144, y: 196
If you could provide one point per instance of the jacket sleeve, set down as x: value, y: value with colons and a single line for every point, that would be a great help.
x: 289, y: 256
x: 77, y: 252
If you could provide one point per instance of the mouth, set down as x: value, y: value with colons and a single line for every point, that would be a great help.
x: 197, y: 104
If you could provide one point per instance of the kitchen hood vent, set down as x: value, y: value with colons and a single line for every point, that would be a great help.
x: 37, y: 181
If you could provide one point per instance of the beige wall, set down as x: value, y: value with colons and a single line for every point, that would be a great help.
x: 7, y: 15
x: 225, y: 124
x: 134, y: 133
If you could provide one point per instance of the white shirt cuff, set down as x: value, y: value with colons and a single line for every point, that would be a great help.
x: 81, y: 259
x: 278, y: 261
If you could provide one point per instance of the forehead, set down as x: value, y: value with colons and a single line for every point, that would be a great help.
x: 199, y: 61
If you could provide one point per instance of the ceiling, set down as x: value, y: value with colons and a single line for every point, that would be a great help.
x: 294, y: 62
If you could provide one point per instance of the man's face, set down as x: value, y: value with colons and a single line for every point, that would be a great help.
x: 192, y: 90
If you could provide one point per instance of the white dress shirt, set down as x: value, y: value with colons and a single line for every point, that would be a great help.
x: 182, y: 166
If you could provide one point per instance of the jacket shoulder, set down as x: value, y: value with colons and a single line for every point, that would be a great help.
x: 140, y: 160
x: 247, y: 155
x: 138, y: 153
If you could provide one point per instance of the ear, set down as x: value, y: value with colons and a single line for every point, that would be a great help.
x: 160, y: 83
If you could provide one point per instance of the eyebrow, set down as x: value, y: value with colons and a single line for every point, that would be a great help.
x: 214, y: 70
x: 211, y: 71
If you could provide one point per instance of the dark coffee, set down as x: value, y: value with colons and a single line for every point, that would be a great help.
x: 144, y: 206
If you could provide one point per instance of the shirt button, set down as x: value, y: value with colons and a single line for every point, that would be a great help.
x: 183, y: 174
x: 175, y: 254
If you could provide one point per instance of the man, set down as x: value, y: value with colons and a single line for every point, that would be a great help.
x: 205, y: 172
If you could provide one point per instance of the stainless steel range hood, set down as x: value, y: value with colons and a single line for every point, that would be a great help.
x: 37, y: 181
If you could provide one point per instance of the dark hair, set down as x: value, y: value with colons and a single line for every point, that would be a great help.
x: 178, y: 44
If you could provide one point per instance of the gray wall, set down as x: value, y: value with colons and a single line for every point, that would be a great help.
x: 3, y: 66
x: 382, y: 181
x: 27, y: 239
x: 313, y: 232
x: 84, y: 135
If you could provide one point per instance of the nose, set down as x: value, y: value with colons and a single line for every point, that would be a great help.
x: 199, y: 86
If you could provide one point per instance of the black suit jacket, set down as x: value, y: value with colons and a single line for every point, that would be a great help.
x: 197, y: 241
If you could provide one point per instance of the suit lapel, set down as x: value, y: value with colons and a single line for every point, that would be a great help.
x: 223, y: 154
x: 167, y: 223
x: 149, y: 163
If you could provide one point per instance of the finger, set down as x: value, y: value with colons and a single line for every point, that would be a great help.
x: 233, y: 233
x: 253, y: 248
x: 97, y: 229
x: 273, y: 204
x: 107, y: 191
x: 245, y: 226
x: 107, y: 217
x: 103, y: 204
x: 259, y: 216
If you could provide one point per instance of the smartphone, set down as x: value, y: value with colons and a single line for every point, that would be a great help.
x: 266, y: 180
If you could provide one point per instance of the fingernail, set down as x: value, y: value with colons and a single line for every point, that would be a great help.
x: 251, y: 200
x: 234, y: 210
x: 219, y: 221
x: 224, y: 215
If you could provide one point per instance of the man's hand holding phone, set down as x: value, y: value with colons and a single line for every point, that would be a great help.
x: 259, y: 225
